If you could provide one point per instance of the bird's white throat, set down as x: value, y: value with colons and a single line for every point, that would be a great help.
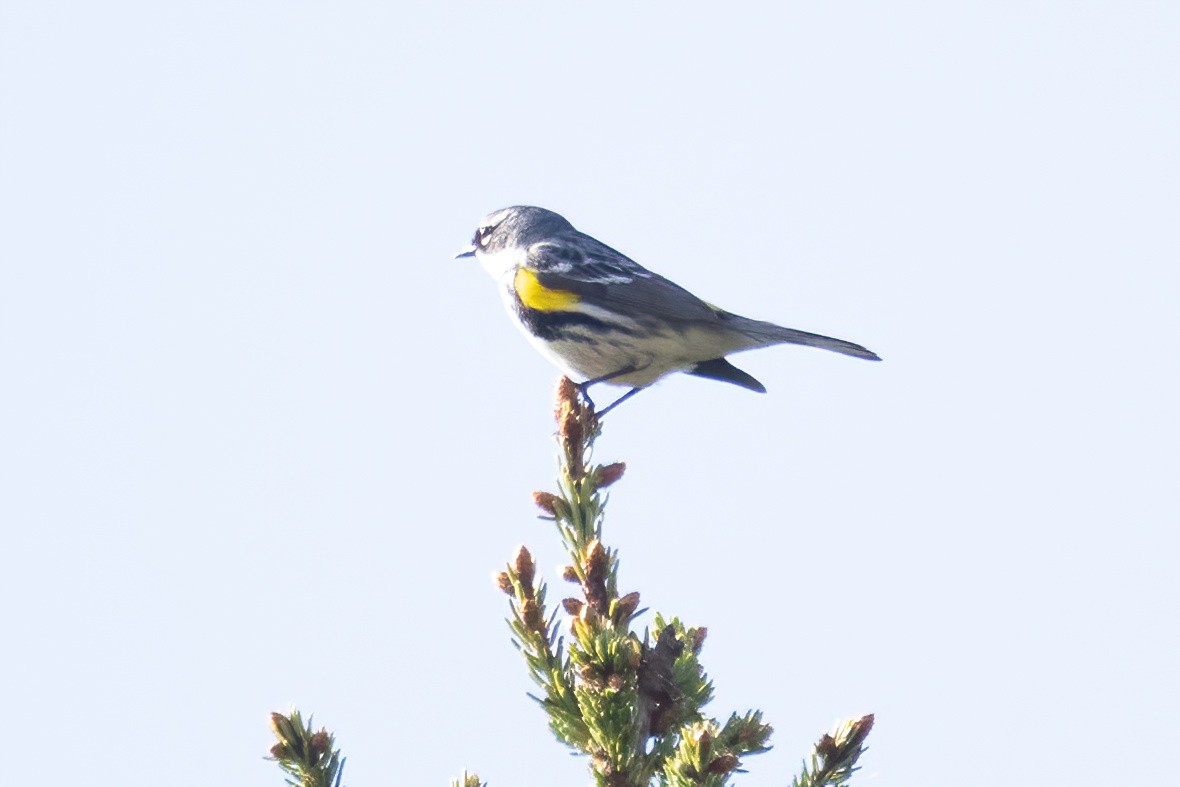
x: 501, y: 263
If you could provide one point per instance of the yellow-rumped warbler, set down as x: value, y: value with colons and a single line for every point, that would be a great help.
x: 603, y: 318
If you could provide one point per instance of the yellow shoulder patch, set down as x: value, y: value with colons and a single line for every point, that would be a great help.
x: 535, y: 295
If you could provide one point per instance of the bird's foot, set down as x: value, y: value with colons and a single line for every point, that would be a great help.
x: 617, y: 402
x: 584, y: 390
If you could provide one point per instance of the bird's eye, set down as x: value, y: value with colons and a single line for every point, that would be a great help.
x: 481, y: 236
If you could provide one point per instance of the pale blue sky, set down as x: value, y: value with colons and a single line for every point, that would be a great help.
x: 263, y: 442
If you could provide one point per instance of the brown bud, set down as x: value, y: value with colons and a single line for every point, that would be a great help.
x: 525, y: 569
x: 594, y: 583
x: 589, y: 673
x: 319, y: 742
x: 550, y: 503
x: 280, y: 751
x: 627, y: 605
x: 570, y: 574
x: 530, y: 613
x: 569, y: 428
x: 616, y: 682
x: 753, y: 735
x: 572, y: 606
x: 595, y: 557
x: 705, y: 740
x: 860, y: 730
x: 504, y: 582
x: 723, y: 764
x: 282, y: 727
x: 696, y: 638
x: 826, y: 747
x: 566, y: 395
x: 611, y: 473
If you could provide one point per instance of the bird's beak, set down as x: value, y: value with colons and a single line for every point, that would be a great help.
x: 467, y: 252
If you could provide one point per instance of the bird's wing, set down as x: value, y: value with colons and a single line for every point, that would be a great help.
x: 603, y: 277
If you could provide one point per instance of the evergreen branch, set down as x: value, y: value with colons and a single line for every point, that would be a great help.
x: 707, y: 755
x: 632, y: 705
x: 537, y: 638
x: 306, y: 756
x: 746, y: 734
x: 700, y: 759
x: 468, y: 780
x: 834, y: 759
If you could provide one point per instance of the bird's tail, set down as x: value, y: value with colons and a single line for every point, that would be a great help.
x: 767, y: 333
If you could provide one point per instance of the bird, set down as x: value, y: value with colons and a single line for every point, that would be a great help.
x: 601, y: 317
